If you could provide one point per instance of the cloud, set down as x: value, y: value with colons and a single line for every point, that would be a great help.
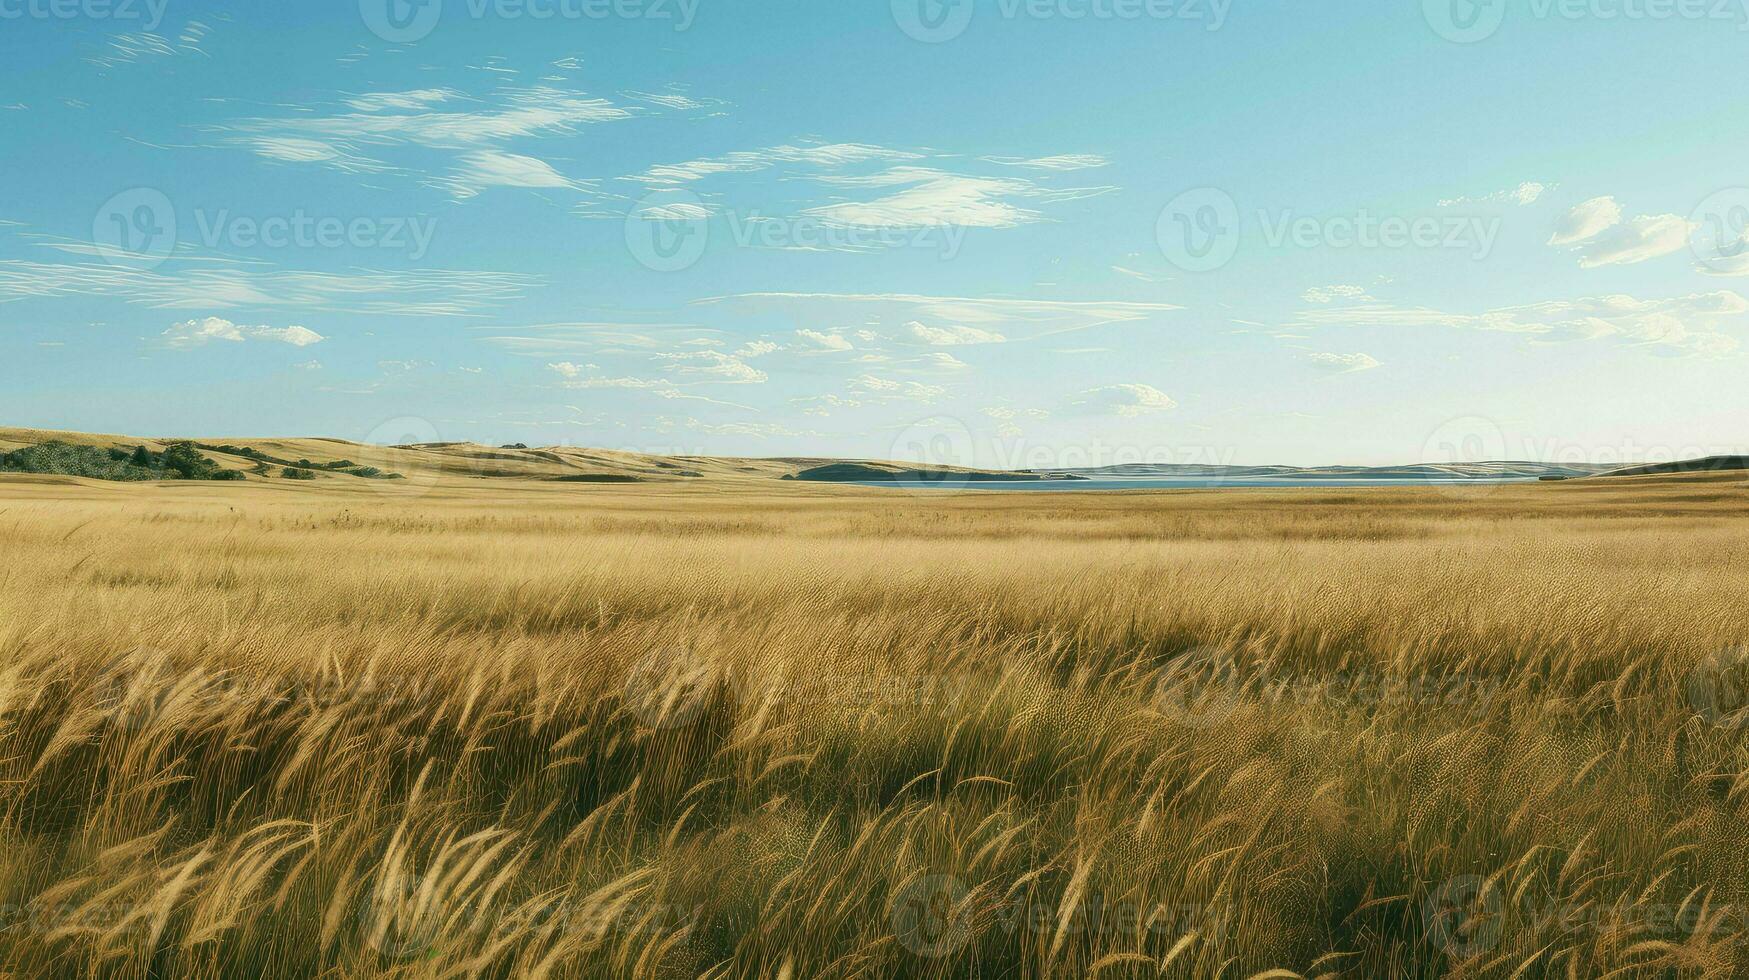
x: 757, y: 348
x: 953, y: 336
x: 931, y: 198
x: 825, y: 341
x: 829, y: 155
x: 943, y: 359
x: 413, y: 293
x: 190, y: 334
x: 886, y: 389
x: 1734, y: 264
x: 396, y: 123
x: 1618, y: 317
x: 293, y: 149
x: 1126, y: 400
x: 1329, y: 294
x: 567, y: 370
x: 718, y: 366
x: 417, y: 99
x: 1342, y: 363
x: 1061, y: 162
x: 1523, y: 195
x: 126, y: 49
x: 1586, y: 220
x: 492, y: 168
x: 1645, y: 237
x: 1016, y: 319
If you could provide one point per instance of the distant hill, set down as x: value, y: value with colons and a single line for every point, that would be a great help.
x: 1500, y: 470
x: 1707, y: 464
x: 337, y: 463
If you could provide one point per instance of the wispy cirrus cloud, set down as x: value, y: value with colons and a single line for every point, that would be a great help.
x: 415, y: 293
x: 127, y: 49
x: 1061, y: 162
x: 399, y: 131
x: 895, y: 189
x: 822, y: 155
x: 1680, y: 325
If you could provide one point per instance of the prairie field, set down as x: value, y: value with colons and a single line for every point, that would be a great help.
x: 507, y: 729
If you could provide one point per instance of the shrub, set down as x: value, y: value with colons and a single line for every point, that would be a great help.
x: 293, y: 473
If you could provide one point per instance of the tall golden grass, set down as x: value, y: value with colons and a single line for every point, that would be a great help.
x: 253, y: 732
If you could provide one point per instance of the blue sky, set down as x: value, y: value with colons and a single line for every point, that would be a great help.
x: 1009, y: 233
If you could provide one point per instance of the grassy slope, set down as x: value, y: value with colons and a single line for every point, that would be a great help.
x: 247, y: 731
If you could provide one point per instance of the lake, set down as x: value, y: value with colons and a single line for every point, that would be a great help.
x: 1194, y: 483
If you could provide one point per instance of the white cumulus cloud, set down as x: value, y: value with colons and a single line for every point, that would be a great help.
x: 1586, y: 220
x: 198, y: 333
x: 1127, y: 400
x: 953, y: 336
